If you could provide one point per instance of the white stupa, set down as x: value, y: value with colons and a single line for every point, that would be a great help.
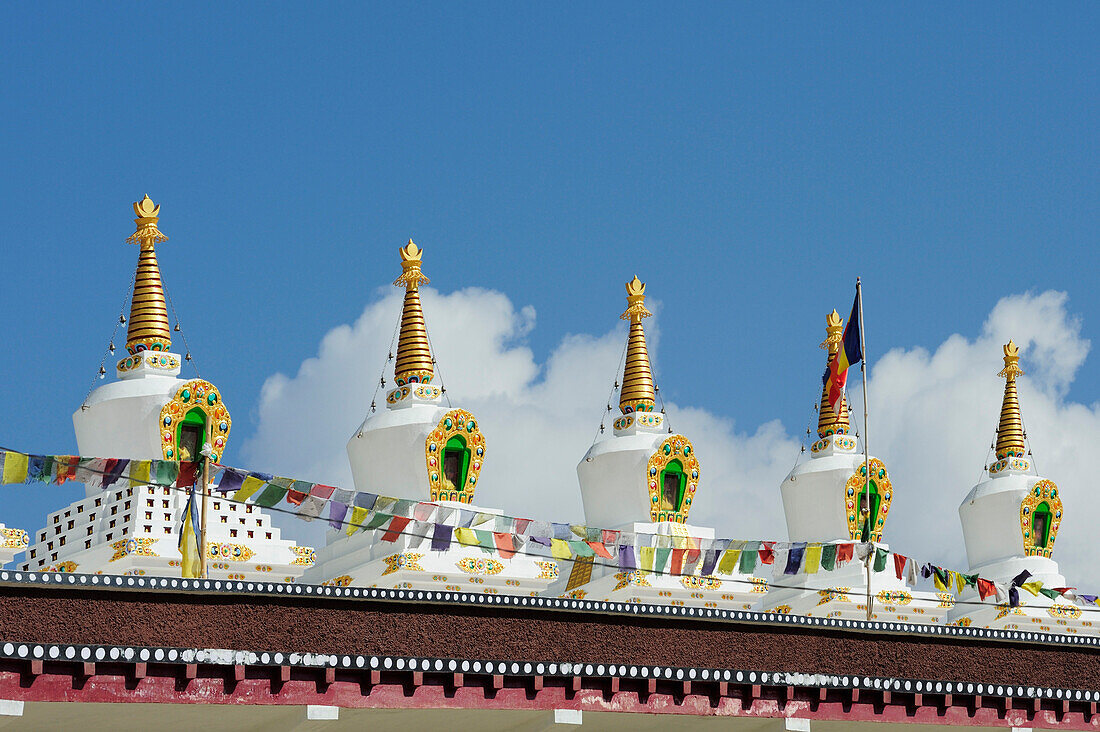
x: 641, y: 482
x: 421, y: 451
x: 1010, y: 521
x: 828, y: 500
x: 151, y: 414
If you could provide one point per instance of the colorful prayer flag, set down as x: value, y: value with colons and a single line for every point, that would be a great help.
x: 190, y: 561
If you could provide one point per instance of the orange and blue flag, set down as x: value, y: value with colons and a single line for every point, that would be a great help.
x: 851, y: 353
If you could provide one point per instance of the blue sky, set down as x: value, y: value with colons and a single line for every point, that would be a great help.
x: 747, y: 161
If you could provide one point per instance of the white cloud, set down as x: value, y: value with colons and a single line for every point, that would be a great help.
x: 933, y: 416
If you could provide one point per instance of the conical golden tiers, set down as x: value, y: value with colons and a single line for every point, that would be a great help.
x: 828, y: 421
x: 414, y: 356
x: 638, y: 394
x: 148, y: 328
x: 1010, y: 431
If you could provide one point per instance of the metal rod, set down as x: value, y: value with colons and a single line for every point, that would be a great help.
x: 202, y: 521
x: 866, y: 449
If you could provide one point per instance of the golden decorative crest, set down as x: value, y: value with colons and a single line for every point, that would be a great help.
x: 460, y: 430
x: 675, y: 454
x: 1040, y: 517
x: 853, y: 497
x: 205, y: 397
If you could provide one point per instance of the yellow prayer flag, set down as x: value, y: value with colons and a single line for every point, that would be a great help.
x: 558, y: 548
x: 467, y: 537
x: 1032, y: 587
x: 938, y: 581
x: 729, y: 561
x: 960, y: 582
x: 250, y: 485
x: 358, y: 515
x: 15, y: 467
x: 812, y: 559
x: 139, y: 473
x: 648, y: 555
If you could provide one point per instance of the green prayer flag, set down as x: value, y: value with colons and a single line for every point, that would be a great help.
x: 749, y: 555
x: 1052, y: 594
x: 272, y: 494
x: 485, y: 540
x: 661, y: 559
x: 971, y: 580
x: 880, y: 559
x: 581, y: 549
x: 828, y: 557
x: 167, y: 472
x: 377, y: 521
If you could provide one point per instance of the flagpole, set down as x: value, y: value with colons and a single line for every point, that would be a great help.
x: 866, y: 449
x: 202, y: 520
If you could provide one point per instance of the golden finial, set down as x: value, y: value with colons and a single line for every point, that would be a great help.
x: 1010, y: 430
x: 148, y: 328
x: 828, y: 421
x: 414, y: 356
x: 638, y: 394
x: 148, y: 214
x: 411, y: 276
x: 834, y: 332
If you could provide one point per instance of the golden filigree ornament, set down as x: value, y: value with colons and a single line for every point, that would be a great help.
x: 195, y: 397
x: 229, y: 552
x: 882, y: 494
x: 638, y: 393
x: 457, y: 438
x: 148, y: 326
x: 14, y: 538
x: 672, y: 476
x: 414, y: 355
x: 479, y: 565
x: 303, y: 555
x: 1040, y: 517
x: 408, y: 561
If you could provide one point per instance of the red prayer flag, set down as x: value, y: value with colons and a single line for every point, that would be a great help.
x: 986, y: 588
x: 899, y: 564
x: 845, y: 552
x: 521, y: 525
x: 767, y: 554
x: 504, y: 545
x: 600, y: 549
x: 422, y: 511
x: 678, y: 561
x: 322, y: 491
x: 397, y: 525
x: 610, y: 537
x: 186, y: 476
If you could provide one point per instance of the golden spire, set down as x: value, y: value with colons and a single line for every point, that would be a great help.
x: 828, y: 421
x: 414, y: 357
x: 638, y: 394
x: 1010, y: 432
x: 148, y: 329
